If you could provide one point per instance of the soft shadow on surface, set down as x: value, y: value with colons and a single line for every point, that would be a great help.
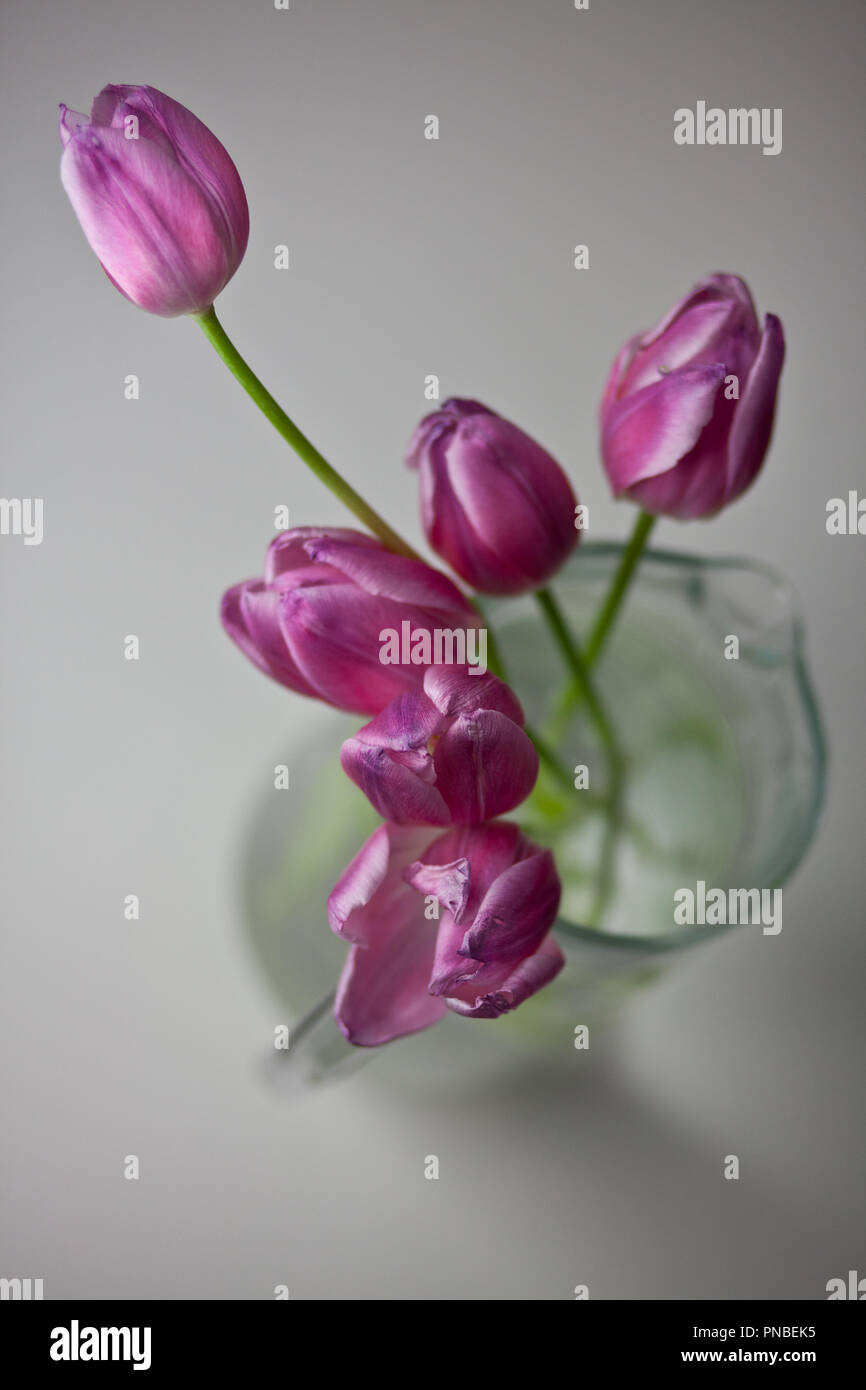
x: 628, y: 1188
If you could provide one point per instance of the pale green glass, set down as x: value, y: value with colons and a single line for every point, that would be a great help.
x: 725, y: 778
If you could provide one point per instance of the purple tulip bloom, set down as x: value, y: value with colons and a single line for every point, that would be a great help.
x: 488, y: 950
x: 157, y: 196
x: 316, y: 619
x: 454, y: 751
x: 687, y: 411
x: 494, y: 504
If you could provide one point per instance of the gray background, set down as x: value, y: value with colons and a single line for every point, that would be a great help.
x: 408, y: 257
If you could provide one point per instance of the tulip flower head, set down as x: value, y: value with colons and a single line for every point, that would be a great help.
x: 489, y: 949
x: 315, y: 621
x: 494, y: 505
x: 687, y: 411
x: 452, y: 751
x: 157, y: 196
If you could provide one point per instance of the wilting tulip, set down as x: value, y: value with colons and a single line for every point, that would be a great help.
x: 454, y: 751
x: 489, y: 950
x: 687, y: 411
x: 315, y: 622
x: 494, y: 504
x: 157, y: 196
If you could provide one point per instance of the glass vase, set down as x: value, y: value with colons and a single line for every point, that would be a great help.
x: 724, y: 775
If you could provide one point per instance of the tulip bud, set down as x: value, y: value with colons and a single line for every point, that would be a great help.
x: 687, y: 411
x: 315, y: 622
x: 486, y: 948
x: 454, y: 751
x: 157, y: 196
x: 494, y: 504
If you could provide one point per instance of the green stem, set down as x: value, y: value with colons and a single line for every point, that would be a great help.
x: 302, y: 446
x: 549, y: 759
x: 616, y: 593
x: 577, y: 665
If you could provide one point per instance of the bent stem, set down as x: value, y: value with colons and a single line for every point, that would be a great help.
x: 576, y: 664
x: 309, y: 454
x: 306, y: 451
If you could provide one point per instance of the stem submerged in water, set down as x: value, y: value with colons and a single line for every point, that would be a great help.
x: 584, y: 686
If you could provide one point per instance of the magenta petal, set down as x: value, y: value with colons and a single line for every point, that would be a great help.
x: 485, y: 766
x: 287, y: 551
x: 377, y: 571
x: 332, y: 631
x: 451, y: 535
x: 149, y: 224
x: 753, y: 418
x: 382, y: 994
x: 69, y: 123
x: 452, y: 967
x: 497, y: 989
x: 517, y: 911
x: 393, y: 789
x: 616, y: 375
x: 715, y: 288
x: 449, y: 884
x: 250, y: 616
x: 454, y: 692
x: 201, y: 155
x: 699, y: 338
x: 372, y: 889
x: 515, y: 499
x: 649, y: 432
x: 407, y: 723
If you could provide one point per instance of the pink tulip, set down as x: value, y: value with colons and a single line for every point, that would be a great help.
x: 315, y: 621
x: 687, y: 411
x: 494, y: 504
x: 454, y: 751
x: 489, y: 948
x: 157, y: 196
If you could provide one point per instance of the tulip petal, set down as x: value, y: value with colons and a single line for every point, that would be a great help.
x: 514, y: 497
x: 380, y: 572
x: 485, y: 766
x: 147, y: 221
x: 449, y: 883
x: 406, y: 724
x: 716, y: 288
x: 490, y: 849
x: 754, y: 415
x: 455, y: 692
x: 382, y: 994
x: 452, y: 967
x: 371, y: 892
x: 648, y: 433
x: 517, y: 910
x: 287, y: 553
x: 498, y: 988
x: 394, y: 790
x: 333, y: 633
x: 69, y: 123
x: 616, y: 375
x: 450, y: 534
x: 200, y: 154
x: 701, y: 337
x: 250, y: 616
